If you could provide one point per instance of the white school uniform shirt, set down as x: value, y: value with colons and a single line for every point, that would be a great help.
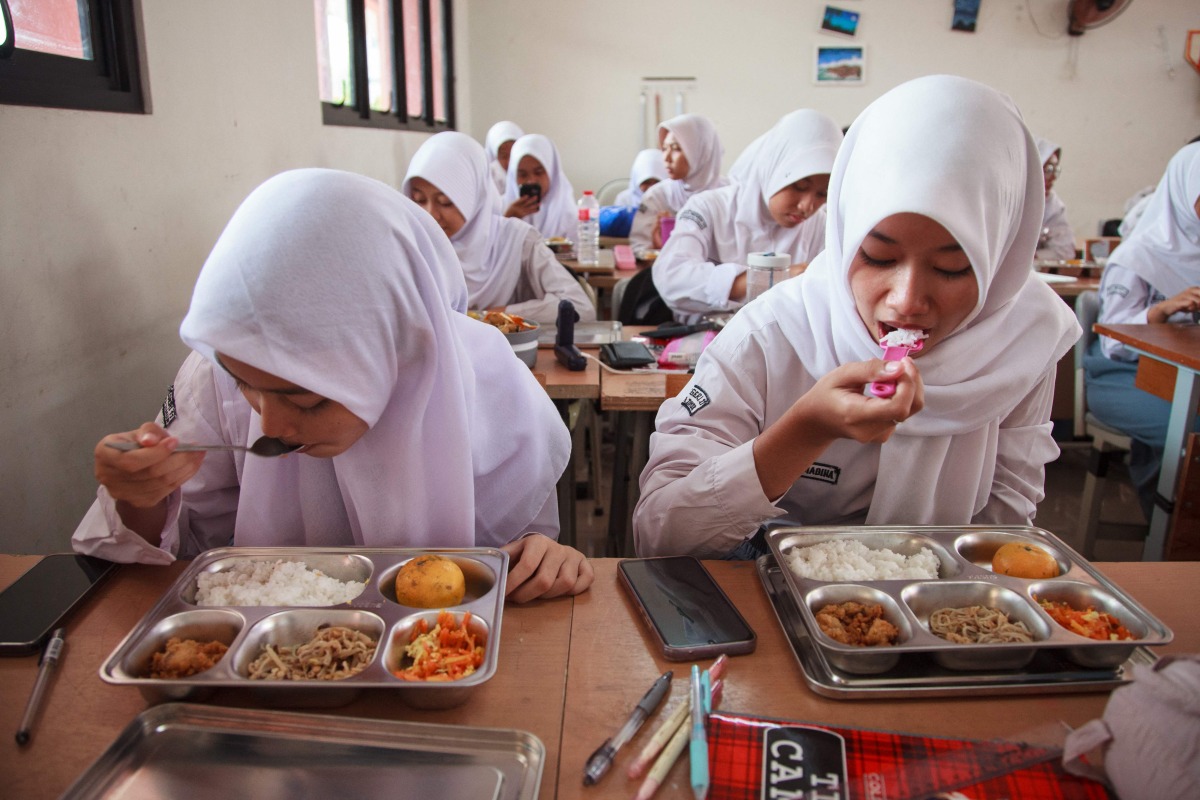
x: 1161, y: 258
x: 1060, y: 241
x: 557, y: 214
x: 646, y: 165
x: 338, y: 283
x: 505, y: 261
x: 978, y: 449
x: 716, y: 231
x: 701, y: 146
x: 498, y: 134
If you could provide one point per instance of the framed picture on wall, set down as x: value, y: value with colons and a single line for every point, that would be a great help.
x: 839, y: 21
x: 839, y: 65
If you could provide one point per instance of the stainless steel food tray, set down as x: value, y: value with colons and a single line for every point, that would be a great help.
x: 183, y: 750
x: 965, y: 578
x: 246, y: 629
x: 920, y: 676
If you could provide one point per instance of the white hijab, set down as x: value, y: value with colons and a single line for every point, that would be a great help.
x: 803, y: 143
x: 957, y: 152
x: 497, y: 135
x: 1164, y: 248
x: 488, y: 245
x: 557, y: 214
x: 646, y: 165
x: 741, y: 167
x: 697, y: 137
x: 338, y: 283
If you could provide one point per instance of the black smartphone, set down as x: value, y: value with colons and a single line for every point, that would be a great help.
x: 623, y: 355
x: 564, y: 338
x: 685, y: 609
x: 533, y: 190
x: 33, y: 605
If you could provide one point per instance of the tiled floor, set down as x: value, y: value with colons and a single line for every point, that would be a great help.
x: 1122, y: 531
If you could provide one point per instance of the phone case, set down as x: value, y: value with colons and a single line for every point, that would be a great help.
x: 622, y: 355
x: 696, y: 652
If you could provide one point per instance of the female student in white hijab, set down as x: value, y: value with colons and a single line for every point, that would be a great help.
x: 777, y: 207
x: 499, y: 143
x: 506, y: 262
x: 1152, y: 277
x: 534, y: 159
x: 935, y: 203
x: 691, y: 152
x: 1057, y: 240
x: 325, y: 317
x: 648, y: 169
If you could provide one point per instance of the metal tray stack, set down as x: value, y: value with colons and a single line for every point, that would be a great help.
x: 247, y: 629
x: 965, y: 578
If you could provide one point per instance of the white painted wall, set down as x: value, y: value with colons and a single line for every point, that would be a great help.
x: 105, y: 219
x: 1120, y: 99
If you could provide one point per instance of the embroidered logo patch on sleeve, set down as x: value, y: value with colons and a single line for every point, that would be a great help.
x: 168, y: 407
x: 692, y: 216
x: 826, y: 473
x: 695, y: 400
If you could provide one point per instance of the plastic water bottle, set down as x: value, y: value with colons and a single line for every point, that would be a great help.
x: 765, y: 270
x: 587, y: 245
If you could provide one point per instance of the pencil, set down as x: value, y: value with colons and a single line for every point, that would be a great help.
x: 671, y: 752
x: 669, y: 725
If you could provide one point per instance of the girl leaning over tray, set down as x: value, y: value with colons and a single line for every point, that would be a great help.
x: 329, y: 315
x: 935, y: 206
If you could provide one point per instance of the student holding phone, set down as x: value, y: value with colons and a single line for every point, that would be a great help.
x: 507, y: 264
x: 776, y: 423
x: 537, y: 189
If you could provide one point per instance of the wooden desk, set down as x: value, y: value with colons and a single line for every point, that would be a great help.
x: 1176, y: 346
x: 569, y: 672
x: 82, y: 715
x: 616, y: 659
x: 565, y: 387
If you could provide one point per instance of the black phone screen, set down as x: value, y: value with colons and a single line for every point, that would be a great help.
x: 533, y: 190
x: 35, y: 603
x: 686, y: 606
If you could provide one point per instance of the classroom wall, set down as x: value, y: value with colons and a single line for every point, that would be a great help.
x: 1120, y: 99
x: 105, y: 220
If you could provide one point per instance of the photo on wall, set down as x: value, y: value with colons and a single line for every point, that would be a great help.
x: 839, y: 66
x: 966, y: 13
x: 839, y: 21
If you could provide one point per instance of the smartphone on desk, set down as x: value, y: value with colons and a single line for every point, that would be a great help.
x: 685, y: 609
x: 36, y: 603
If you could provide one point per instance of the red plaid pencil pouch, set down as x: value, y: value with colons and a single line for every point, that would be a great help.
x: 778, y: 759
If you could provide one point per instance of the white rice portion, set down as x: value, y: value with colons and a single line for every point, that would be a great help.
x: 851, y: 560
x: 277, y: 583
x: 903, y: 337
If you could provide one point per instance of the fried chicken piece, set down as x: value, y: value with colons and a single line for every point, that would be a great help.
x: 182, y: 658
x: 857, y: 624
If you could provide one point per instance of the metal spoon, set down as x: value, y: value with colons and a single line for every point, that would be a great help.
x: 266, y: 446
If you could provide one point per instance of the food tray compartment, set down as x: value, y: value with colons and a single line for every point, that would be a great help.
x: 183, y: 750
x: 965, y: 578
x: 247, y: 628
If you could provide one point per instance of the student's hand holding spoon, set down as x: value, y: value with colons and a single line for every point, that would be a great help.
x: 144, y: 477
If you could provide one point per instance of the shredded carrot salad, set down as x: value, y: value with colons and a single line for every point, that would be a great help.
x: 1091, y: 623
x: 446, y: 653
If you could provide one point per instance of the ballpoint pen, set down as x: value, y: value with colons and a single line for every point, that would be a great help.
x: 49, y: 659
x: 601, y: 760
x: 667, y: 758
x: 674, y: 721
x: 699, y: 736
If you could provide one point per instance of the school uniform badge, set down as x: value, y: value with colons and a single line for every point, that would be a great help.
x: 825, y: 473
x: 694, y: 217
x: 168, y: 407
x: 695, y: 400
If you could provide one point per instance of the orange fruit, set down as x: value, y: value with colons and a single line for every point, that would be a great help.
x: 1023, y: 560
x: 430, y: 581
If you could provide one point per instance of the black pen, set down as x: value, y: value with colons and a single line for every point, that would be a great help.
x: 602, y: 759
x: 49, y: 659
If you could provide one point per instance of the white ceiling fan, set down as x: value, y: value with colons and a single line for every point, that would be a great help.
x: 1083, y: 15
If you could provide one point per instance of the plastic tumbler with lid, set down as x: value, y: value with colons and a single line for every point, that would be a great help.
x: 765, y: 270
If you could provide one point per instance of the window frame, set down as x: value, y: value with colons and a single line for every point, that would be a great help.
x: 359, y: 113
x: 110, y: 81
